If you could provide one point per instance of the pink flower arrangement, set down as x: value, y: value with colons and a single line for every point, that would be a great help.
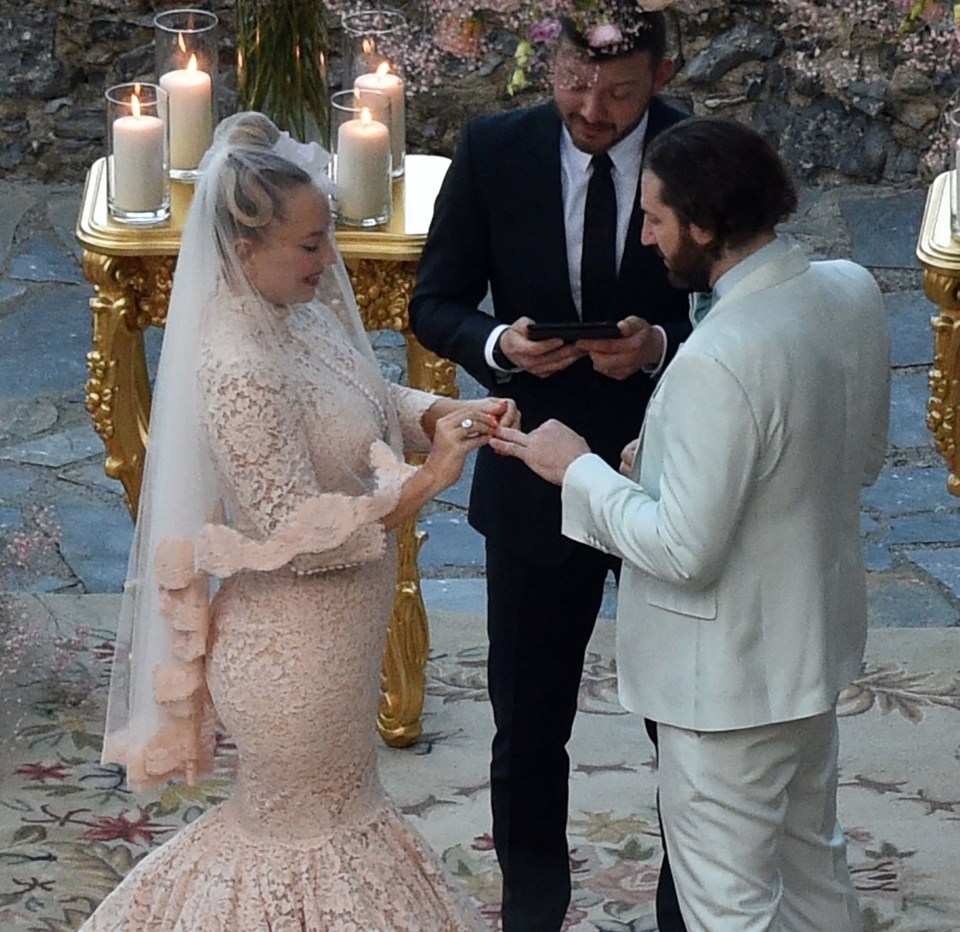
x: 545, y: 31
x: 456, y: 35
x: 923, y: 34
x: 604, y: 35
x: 598, y: 21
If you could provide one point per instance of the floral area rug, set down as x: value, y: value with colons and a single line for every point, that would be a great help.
x: 69, y: 831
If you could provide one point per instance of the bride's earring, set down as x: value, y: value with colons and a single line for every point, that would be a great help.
x: 245, y: 253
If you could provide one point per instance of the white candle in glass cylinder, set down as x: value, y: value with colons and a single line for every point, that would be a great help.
x: 137, y: 161
x: 191, y: 114
x: 391, y: 85
x: 363, y: 168
x: 953, y: 125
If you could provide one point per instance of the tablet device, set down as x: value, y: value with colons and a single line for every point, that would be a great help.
x: 573, y: 330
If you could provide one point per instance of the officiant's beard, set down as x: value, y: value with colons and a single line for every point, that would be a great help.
x: 690, y: 265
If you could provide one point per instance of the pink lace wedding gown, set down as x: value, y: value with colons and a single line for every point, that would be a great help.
x: 308, y: 841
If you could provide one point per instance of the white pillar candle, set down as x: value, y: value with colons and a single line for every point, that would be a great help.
x: 392, y: 86
x: 138, y: 182
x: 191, y: 114
x: 363, y: 168
x: 953, y: 123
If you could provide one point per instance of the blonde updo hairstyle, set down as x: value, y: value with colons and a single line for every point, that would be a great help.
x: 254, y: 179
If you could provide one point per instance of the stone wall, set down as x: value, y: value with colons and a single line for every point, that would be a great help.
x: 58, y: 56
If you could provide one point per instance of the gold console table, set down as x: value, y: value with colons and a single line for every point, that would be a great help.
x: 939, y: 254
x: 132, y: 268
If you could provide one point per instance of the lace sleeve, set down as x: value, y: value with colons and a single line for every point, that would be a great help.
x: 411, y: 404
x: 262, y: 453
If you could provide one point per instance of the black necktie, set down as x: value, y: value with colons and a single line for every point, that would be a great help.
x: 598, y: 270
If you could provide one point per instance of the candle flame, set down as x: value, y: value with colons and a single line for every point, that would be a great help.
x: 365, y: 115
x: 181, y: 43
x: 368, y: 46
x: 192, y: 64
x: 383, y: 69
x: 135, y: 104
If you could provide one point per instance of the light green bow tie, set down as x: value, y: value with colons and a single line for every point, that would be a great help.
x: 700, y: 304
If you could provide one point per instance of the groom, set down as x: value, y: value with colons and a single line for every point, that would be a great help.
x: 541, y: 207
x: 742, y: 609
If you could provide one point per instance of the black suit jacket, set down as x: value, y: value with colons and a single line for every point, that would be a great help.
x: 498, y: 221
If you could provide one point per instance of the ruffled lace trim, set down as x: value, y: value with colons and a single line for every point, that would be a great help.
x: 182, y: 747
x: 323, y: 533
x: 330, y: 531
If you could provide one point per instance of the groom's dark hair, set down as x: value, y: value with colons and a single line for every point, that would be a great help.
x: 722, y: 176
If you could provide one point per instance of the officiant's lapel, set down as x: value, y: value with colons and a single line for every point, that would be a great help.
x: 542, y: 189
x: 641, y: 286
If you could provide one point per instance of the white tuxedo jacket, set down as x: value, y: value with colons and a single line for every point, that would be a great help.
x: 742, y: 597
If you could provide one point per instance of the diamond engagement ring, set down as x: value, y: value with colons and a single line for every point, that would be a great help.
x: 466, y: 423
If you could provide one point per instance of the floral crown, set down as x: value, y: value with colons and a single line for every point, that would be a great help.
x: 601, y: 29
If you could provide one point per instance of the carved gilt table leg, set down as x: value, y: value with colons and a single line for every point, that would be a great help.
x: 383, y: 290
x: 132, y: 293
x: 943, y: 289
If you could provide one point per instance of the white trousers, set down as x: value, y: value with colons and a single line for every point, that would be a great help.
x: 750, y: 819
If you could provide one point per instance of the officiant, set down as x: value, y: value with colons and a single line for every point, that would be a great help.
x: 541, y: 207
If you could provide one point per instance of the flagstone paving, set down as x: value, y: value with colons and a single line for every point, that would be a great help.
x: 51, y: 461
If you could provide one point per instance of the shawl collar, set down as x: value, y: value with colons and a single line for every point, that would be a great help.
x: 779, y: 269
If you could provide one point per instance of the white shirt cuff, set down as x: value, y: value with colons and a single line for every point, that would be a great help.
x: 656, y: 370
x: 488, y: 351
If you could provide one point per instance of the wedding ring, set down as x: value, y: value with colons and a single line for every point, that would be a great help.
x: 466, y: 423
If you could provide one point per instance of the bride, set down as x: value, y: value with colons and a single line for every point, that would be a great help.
x: 263, y: 569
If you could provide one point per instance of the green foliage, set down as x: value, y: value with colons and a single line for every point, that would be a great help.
x: 282, y: 49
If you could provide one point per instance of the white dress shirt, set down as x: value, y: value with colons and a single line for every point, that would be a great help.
x: 575, y: 172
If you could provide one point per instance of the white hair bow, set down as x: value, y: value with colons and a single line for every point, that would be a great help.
x: 310, y: 156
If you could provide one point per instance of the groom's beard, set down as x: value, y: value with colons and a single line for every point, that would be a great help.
x: 690, y: 266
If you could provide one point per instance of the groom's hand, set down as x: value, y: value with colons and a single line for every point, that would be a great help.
x: 548, y: 451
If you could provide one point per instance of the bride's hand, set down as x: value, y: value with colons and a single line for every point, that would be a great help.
x: 509, y: 415
x: 495, y: 412
x: 456, y: 434
x: 457, y: 428
x: 489, y: 411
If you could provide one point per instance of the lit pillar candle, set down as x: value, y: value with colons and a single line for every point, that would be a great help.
x: 191, y: 114
x: 363, y: 167
x: 953, y: 125
x: 391, y: 85
x: 138, y: 182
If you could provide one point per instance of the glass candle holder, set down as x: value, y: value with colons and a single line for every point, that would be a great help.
x: 361, y: 163
x: 138, y: 181
x: 185, y: 43
x: 953, y: 128
x: 372, y: 55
